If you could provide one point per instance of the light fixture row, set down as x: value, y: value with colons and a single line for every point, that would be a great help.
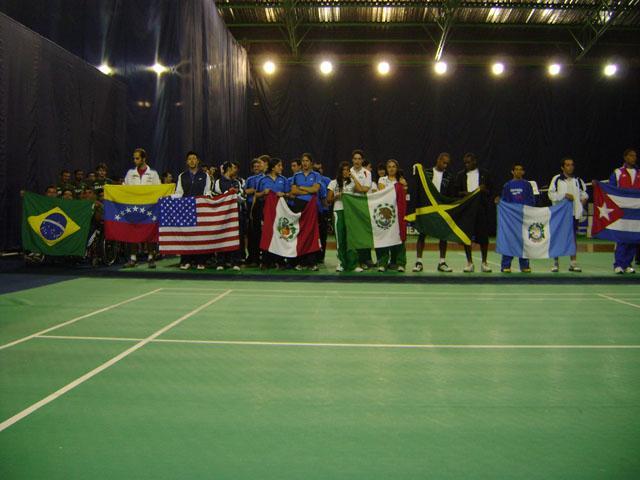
x: 383, y: 68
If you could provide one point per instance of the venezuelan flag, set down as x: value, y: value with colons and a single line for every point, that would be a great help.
x: 131, y: 212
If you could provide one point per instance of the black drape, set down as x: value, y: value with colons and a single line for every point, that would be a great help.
x: 412, y: 116
x: 56, y: 111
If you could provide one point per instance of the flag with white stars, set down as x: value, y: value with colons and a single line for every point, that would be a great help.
x: 199, y: 225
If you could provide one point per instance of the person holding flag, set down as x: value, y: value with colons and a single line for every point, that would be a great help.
x: 258, y: 166
x: 272, y: 181
x: 306, y: 184
x: 362, y: 183
x: 628, y: 177
x: 519, y: 191
x: 229, y: 182
x: 142, y: 174
x: 191, y: 183
x: 341, y: 184
x: 566, y: 186
x: 442, y: 179
x: 393, y: 257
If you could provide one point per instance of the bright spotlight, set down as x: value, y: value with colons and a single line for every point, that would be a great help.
x: 610, y: 69
x: 384, y: 68
x: 106, y: 69
x: 159, y: 68
x: 497, y: 68
x: 326, y: 67
x: 269, y: 67
x: 554, y: 69
x: 440, y: 68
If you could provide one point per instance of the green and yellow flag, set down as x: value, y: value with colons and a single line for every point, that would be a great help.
x: 442, y: 217
x: 54, y: 226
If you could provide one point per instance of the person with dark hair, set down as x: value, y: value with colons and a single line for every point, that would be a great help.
x: 142, y: 174
x: 381, y: 170
x: 324, y: 211
x: 272, y: 181
x: 78, y: 182
x: 229, y: 182
x: 167, y: 177
x: 443, y: 180
x: 193, y: 182
x: 518, y: 190
x: 367, y: 165
x: 306, y: 183
x: 64, y: 182
x: 627, y: 176
x: 362, y: 183
x: 347, y: 259
x: 395, y: 257
x: 467, y: 181
x: 51, y: 191
x: 258, y: 166
x: 91, y: 177
x: 566, y: 186
x: 67, y: 194
x: 101, y: 180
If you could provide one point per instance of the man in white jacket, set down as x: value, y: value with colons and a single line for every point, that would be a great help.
x: 142, y: 174
x: 565, y: 186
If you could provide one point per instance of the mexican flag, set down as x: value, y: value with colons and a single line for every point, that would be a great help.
x: 286, y: 233
x: 377, y: 219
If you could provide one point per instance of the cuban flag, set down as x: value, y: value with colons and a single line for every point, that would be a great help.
x: 533, y: 232
x: 616, y: 213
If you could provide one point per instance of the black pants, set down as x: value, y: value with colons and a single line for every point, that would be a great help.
x: 324, y: 218
x: 193, y: 259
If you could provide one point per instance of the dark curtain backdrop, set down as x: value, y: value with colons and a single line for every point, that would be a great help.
x: 412, y: 116
x: 200, y: 104
x: 56, y: 111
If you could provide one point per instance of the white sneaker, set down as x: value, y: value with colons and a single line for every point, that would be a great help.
x: 236, y: 268
x: 618, y: 270
x: 470, y: 268
x: 418, y: 267
x: 299, y: 268
x: 400, y: 268
x: 381, y: 268
x: 443, y: 267
x: 358, y: 269
x: 486, y: 268
x: 629, y: 270
x: 185, y: 266
x: 199, y: 267
x: 314, y: 268
x: 339, y: 268
x: 574, y: 268
x: 219, y: 268
x: 555, y: 268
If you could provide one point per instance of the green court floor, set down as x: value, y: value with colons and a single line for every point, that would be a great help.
x: 165, y: 379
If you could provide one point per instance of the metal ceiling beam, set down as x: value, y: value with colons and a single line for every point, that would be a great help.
x: 585, y: 6
x: 504, y: 25
x: 249, y: 41
x: 445, y: 22
x: 291, y: 25
x: 596, y: 24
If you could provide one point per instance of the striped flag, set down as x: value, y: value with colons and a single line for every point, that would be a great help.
x: 616, y: 213
x: 199, y: 225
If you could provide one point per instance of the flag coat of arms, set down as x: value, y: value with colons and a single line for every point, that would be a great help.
x: 534, y: 232
x: 199, y: 225
x: 131, y: 212
x: 616, y: 213
x: 54, y: 226
x: 286, y: 233
x: 375, y: 220
x: 442, y: 217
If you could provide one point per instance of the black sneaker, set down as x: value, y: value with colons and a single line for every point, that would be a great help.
x: 443, y: 267
x: 418, y: 267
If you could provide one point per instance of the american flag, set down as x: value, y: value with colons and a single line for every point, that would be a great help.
x: 198, y: 225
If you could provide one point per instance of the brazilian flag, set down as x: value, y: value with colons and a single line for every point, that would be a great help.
x: 54, y: 226
x: 442, y: 217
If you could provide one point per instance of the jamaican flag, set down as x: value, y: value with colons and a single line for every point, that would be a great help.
x: 54, y: 226
x: 442, y: 217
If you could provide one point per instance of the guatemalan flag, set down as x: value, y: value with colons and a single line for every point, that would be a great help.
x: 616, y: 213
x: 131, y: 212
x: 286, y: 233
x: 532, y: 232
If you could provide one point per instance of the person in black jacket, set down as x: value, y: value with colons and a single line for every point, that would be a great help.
x: 191, y: 183
x: 443, y: 180
x: 468, y: 180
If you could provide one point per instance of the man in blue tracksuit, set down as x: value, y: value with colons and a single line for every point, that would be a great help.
x: 517, y: 190
x: 324, y: 211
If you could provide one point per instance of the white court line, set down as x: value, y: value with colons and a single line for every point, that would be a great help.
x: 425, y: 346
x: 80, y: 380
x: 81, y: 317
x: 426, y: 293
x: 71, y: 337
x: 618, y: 300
